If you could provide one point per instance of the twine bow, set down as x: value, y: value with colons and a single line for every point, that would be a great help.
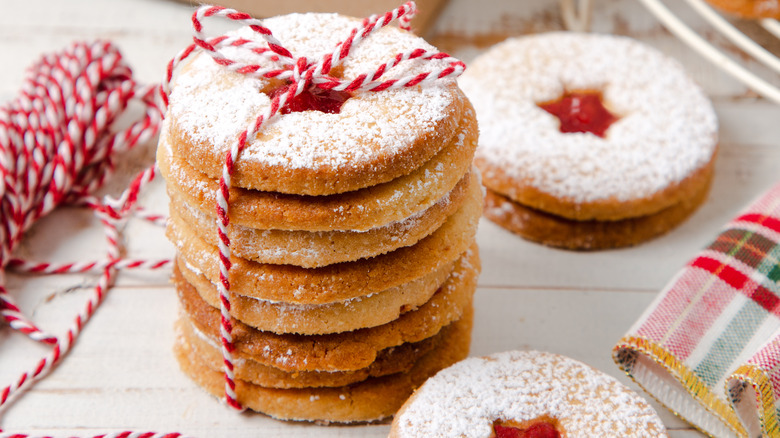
x: 275, y: 61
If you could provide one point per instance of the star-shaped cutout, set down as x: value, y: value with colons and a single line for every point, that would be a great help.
x: 581, y: 111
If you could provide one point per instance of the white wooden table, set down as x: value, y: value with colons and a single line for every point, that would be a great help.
x: 121, y: 375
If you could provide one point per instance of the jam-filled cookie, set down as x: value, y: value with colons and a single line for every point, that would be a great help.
x: 365, y: 139
x: 589, y: 141
x: 525, y: 394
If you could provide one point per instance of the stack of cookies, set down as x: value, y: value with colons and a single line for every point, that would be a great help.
x: 352, y: 229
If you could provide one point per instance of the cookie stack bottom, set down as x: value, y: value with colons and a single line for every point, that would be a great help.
x: 362, y: 375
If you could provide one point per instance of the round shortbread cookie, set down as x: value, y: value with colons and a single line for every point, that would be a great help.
x: 340, y: 351
x: 749, y: 8
x: 374, y: 138
x: 393, y: 360
x: 359, y: 210
x: 520, y: 389
x: 656, y: 154
x: 316, y: 319
x: 538, y: 226
x: 369, y: 400
x: 313, y: 249
x: 337, y: 282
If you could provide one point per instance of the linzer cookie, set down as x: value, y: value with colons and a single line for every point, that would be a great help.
x: 347, y: 315
x: 324, y: 209
x: 525, y: 394
x: 360, y: 140
x: 321, y: 248
x: 356, y: 313
x: 589, y: 141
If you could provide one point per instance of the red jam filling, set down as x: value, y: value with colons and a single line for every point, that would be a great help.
x: 537, y: 430
x: 581, y: 111
x: 313, y: 99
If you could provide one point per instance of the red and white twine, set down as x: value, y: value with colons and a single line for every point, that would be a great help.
x: 76, y: 107
x: 58, y: 144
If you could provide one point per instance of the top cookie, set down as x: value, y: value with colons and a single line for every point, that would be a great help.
x: 664, y: 136
x: 374, y: 138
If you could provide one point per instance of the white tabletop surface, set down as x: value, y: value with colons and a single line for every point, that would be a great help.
x: 121, y: 375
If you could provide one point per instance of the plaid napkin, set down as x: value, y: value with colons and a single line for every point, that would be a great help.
x: 709, y: 346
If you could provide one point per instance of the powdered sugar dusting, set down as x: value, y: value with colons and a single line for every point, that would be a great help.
x: 667, y: 129
x: 213, y: 105
x: 465, y: 399
x: 175, y: 172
